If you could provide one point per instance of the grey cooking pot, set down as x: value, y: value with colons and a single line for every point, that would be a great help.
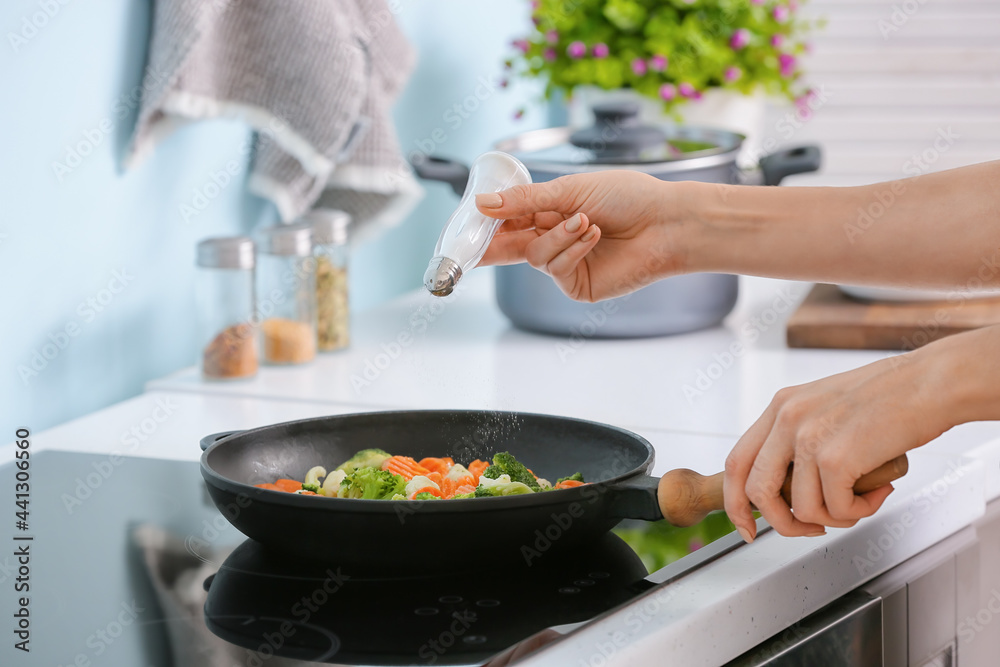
x: 617, y: 141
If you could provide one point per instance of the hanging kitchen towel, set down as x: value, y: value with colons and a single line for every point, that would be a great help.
x: 314, y: 78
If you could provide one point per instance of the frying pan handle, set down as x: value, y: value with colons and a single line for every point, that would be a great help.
x: 210, y: 440
x: 685, y: 497
x: 636, y: 498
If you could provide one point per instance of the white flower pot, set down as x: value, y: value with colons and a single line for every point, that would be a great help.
x: 718, y: 108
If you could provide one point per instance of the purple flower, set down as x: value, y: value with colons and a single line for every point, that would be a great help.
x: 504, y: 83
x: 549, y: 53
x: 733, y: 73
x: 552, y: 36
x: 600, y: 50
x: 687, y: 90
x: 658, y: 63
x: 521, y: 45
x: 740, y: 39
x: 535, y: 4
x: 668, y: 91
x: 639, y: 66
x: 777, y: 40
x: 576, y: 49
x: 804, y: 104
x: 780, y: 13
x: 793, y: 5
x: 787, y: 63
x: 519, y: 114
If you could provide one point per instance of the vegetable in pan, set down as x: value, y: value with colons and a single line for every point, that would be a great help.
x: 373, y: 474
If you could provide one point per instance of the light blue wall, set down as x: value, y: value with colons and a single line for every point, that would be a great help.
x: 63, y: 239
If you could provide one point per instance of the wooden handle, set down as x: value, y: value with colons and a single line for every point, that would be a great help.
x: 685, y: 497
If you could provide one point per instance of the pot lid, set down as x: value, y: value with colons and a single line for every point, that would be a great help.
x: 618, y: 138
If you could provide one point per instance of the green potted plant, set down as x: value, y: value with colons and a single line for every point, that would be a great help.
x: 709, y: 62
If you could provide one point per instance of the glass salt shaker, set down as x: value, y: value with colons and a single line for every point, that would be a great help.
x: 468, y: 232
x: 286, y: 297
x: 331, y: 251
x: 227, y: 335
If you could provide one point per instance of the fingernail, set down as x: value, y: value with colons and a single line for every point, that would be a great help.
x: 573, y: 223
x: 489, y: 200
x: 745, y: 534
x: 818, y: 533
x: 589, y: 235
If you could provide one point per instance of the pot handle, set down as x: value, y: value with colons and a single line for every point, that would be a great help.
x: 684, y: 498
x: 788, y: 161
x: 210, y: 440
x: 452, y: 172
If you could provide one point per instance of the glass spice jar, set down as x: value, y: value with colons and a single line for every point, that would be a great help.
x: 224, y: 291
x: 331, y: 252
x: 286, y: 279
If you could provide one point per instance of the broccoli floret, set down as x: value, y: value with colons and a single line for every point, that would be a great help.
x: 506, y: 464
x: 371, y: 484
x: 426, y: 496
x: 310, y: 487
x: 492, y: 472
x: 576, y: 477
x: 485, y: 491
x: 459, y: 496
x: 366, y: 458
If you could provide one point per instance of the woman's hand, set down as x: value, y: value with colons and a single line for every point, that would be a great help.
x: 844, y: 426
x: 598, y: 235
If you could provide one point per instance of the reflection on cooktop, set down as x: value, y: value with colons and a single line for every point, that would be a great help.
x: 276, y: 605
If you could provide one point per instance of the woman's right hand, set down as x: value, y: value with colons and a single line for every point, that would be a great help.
x: 599, y: 235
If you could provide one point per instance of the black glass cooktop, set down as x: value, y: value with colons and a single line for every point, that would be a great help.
x: 132, y: 565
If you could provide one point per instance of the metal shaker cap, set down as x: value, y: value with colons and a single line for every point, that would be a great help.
x: 289, y: 240
x: 329, y: 226
x: 227, y: 252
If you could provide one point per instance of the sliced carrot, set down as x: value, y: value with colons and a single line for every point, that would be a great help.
x: 405, y: 466
x: 478, y: 467
x: 269, y: 487
x: 434, y: 464
x: 427, y: 489
x: 289, y: 485
x: 463, y: 489
x: 568, y: 484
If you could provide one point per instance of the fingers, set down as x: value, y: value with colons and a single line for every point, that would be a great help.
x: 808, y: 504
x: 545, y: 248
x: 738, y: 466
x: 764, y: 486
x: 842, y: 502
x: 508, y: 248
x: 521, y: 200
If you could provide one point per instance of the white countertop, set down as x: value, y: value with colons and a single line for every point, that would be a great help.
x: 465, y: 354
x: 470, y: 357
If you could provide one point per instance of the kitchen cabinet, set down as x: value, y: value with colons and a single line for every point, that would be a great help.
x: 933, y: 610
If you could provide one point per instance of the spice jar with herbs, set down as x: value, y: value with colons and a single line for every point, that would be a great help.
x: 331, y: 252
x: 227, y: 335
x: 286, y: 279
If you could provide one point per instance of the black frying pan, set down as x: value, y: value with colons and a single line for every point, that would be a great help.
x: 410, y: 535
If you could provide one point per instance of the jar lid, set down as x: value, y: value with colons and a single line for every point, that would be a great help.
x: 226, y: 252
x: 329, y: 226
x: 292, y: 240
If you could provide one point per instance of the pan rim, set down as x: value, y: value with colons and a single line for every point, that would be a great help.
x: 555, y: 497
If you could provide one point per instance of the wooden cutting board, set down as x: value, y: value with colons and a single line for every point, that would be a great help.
x: 828, y: 318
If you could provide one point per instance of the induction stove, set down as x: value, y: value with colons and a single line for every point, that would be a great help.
x: 132, y: 565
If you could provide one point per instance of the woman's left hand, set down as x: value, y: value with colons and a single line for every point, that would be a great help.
x: 835, y: 430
